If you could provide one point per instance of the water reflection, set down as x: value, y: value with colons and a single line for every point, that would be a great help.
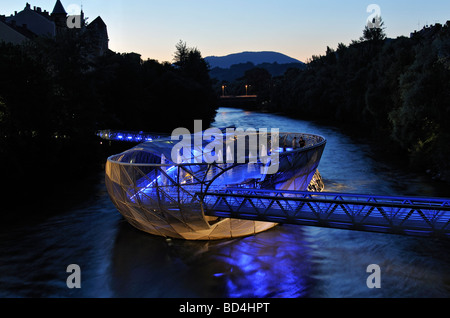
x: 271, y: 264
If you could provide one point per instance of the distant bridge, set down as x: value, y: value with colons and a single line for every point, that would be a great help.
x: 244, y: 101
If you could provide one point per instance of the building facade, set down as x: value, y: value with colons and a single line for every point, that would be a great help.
x: 34, y: 22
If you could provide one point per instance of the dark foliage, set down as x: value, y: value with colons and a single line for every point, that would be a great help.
x: 54, y: 96
x: 395, y: 91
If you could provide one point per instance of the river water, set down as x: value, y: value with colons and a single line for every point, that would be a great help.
x: 287, y: 261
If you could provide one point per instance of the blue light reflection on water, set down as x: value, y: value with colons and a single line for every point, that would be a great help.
x: 288, y: 261
x: 257, y: 266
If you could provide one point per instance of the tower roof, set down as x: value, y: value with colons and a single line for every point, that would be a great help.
x: 59, y: 9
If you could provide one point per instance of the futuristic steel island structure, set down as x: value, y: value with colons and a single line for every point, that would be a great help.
x: 162, y: 196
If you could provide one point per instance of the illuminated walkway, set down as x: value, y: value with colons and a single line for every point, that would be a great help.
x: 388, y: 214
x: 129, y: 136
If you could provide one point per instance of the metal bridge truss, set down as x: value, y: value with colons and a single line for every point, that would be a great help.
x: 388, y: 214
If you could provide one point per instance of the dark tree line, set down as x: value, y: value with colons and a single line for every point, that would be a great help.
x: 54, y: 96
x: 393, y: 91
x: 236, y: 72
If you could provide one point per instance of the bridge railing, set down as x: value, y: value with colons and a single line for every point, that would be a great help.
x: 390, y: 214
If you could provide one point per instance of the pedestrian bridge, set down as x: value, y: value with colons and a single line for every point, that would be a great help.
x: 190, y: 199
x: 415, y: 216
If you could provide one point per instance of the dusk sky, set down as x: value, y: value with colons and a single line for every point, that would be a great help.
x: 296, y: 28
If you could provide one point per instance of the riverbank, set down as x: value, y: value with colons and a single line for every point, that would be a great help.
x: 47, y: 135
x: 382, y: 145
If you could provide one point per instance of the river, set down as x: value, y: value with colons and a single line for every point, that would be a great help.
x: 117, y: 260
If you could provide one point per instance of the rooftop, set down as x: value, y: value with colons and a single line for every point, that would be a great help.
x: 59, y: 9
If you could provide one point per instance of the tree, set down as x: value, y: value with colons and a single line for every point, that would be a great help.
x: 181, y: 54
x: 374, y: 31
x: 3, y: 117
x: 260, y: 81
x: 191, y: 63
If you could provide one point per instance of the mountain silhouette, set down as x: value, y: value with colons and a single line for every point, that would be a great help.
x: 252, y: 57
x: 232, y: 67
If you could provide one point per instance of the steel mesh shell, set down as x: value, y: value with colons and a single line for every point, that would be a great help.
x: 161, y: 197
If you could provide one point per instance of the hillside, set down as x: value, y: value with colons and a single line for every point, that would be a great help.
x: 252, y: 57
x: 237, y: 71
x: 232, y: 67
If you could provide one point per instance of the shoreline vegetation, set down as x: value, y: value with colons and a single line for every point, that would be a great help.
x: 395, y: 93
x: 55, y: 96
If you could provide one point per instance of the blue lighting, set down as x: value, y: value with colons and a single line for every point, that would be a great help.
x: 219, y: 274
x: 128, y: 136
x: 281, y: 149
x: 150, y: 184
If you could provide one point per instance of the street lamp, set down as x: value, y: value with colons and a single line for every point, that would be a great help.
x: 223, y: 90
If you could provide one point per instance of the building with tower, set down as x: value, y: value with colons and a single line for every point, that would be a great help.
x: 59, y: 15
x: 33, y: 22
